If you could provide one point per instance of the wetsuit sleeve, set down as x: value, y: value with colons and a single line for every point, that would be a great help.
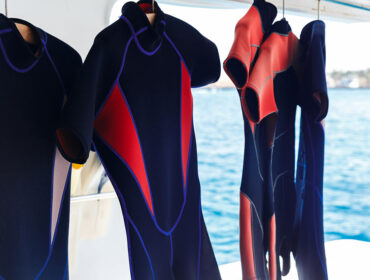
x: 315, y: 96
x: 199, y: 53
x: 277, y: 55
x: 76, y: 125
x: 249, y: 33
x: 206, y: 66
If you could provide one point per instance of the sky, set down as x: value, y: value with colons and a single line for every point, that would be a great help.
x: 347, y: 44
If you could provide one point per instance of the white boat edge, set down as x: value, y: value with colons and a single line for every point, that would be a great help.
x: 346, y: 259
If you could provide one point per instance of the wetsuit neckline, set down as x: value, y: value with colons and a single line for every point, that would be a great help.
x: 149, y: 37
x: 17, y: 52
x: 281, y: 27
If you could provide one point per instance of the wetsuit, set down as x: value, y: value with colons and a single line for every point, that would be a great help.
x: 34, y: 177
x: 269, y: 99
x: 254, y: 217
x: 138, y: 78
x: 309, y: 250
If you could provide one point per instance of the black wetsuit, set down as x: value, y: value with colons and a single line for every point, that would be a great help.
x: 34, y: 177
x: 255, y: 192
x: 135, y: 87
x: 270, y: 101
x: 309, y: 249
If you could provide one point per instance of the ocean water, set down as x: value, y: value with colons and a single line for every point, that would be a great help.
x: 220, y: 140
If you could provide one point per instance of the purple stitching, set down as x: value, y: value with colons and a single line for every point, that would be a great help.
x: 178, y: 52
x: 190, y: 146
x: 181, y: 143
x: 153, y: 217
x: 14, y: 67
x: 136, y: 39
x: 184, y: 187
x: 142, y: 243
x: 4, y: 31
x: 55, y: 68
x: 126, y: 215
x: 141, y: 147
x: 171, y: 250
x: 65, y: 271
x: 128, y: 167
x: 56, y: 227
x: 119, y: 73
x: 125, y: 212
x: 117, y: 78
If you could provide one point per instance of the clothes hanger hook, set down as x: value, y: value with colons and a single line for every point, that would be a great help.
x: 283, y: 8
x: 6, y: 7
x: 153, y: 1
x: 318, y: 9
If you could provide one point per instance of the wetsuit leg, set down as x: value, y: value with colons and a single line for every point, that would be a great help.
x: 310, y: 251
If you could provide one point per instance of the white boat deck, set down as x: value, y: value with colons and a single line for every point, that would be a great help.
x: 346, y: 260
x: 98, y: 246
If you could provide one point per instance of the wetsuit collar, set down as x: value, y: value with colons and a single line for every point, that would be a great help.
x: 149, y: 36
x: 16, y: 51
x: 281, y: 27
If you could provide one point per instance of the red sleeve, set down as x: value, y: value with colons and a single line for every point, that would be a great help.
x: 276, y: 56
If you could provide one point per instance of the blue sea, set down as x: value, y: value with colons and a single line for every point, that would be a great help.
x: 220, y: 139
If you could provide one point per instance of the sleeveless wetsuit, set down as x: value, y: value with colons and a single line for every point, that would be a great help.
x: 34, y: 177
x: 309, y: 251
x: 138, y: 78
x: 254, y: 225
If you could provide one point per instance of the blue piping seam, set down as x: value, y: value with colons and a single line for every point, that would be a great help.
x: 57, y: 226
x: 153, y: 217
x: 125, y: 212
x: 171, y: 243
x: 137, y: 40
x: 19, y: 70
x: 141, y: 148
x: 117, y: 78
x: 120, y: 71
x: 142, y: 243
x: 177, y: 51
x: 65, y: 271
x: 4, y: 31
x: 55, y: 69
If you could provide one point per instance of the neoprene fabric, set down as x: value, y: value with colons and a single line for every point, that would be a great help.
x: 135, y: 89
x: 34, y: 177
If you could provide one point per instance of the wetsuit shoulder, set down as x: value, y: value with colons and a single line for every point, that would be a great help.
x: 199, y: 53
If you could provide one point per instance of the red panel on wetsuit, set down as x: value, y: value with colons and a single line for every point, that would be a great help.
x: 276, y: 55
x: 248, y: 38
x: 146, y: 7
x: 246, y: 238
x: 272, y: 251
x: 186, y: 119
x: 116, y: 126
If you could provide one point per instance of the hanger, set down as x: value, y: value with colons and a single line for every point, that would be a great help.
x: 318, y: 9
x: 151, y: 16
x: 6, y: 7
x: 283, y: 9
